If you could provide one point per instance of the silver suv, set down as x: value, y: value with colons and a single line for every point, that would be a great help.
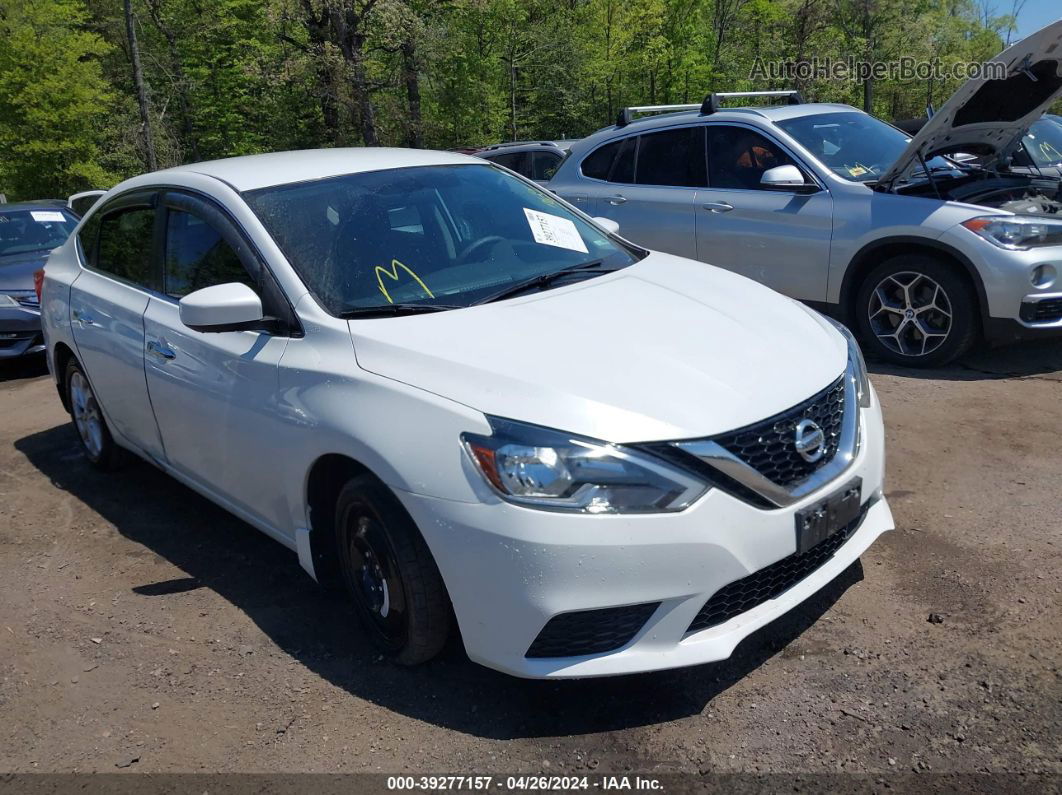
x: 536, y: 160
x: 921, y: 253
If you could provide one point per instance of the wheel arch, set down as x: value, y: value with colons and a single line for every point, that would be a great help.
x: 324, y: 480
x: 878, y: 251
x: 61, y: 357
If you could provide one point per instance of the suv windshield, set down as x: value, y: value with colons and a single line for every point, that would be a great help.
x: 1043, y: 142
x: 28, y: 231
x: 855, y: 146
x: 433, y: 235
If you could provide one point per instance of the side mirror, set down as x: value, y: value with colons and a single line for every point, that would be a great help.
x: 223, y: 307
x: 608, y: 224
x: 787, y: 178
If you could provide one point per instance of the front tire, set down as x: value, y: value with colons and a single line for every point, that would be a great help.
x: 96, y: 441
x: 390, y: 574
x: 915, y: 310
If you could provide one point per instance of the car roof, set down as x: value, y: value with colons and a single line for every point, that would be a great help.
x: 251, y: 172
x: 769, y: 113
x: 33, y: 204
x: 525, y: 145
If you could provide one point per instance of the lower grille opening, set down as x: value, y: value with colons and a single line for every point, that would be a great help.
x: 772, y: 581
x: 590, y: 631
x: 10, y: 339
x: 1046, y: 311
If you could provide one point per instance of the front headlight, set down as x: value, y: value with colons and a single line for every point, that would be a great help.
x: 7, y: 300
x: 856, y: 364
x: 543, y: 468
x: 1017, y: 233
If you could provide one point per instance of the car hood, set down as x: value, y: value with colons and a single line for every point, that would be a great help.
x: 16, y: 270
x: 990, y: 116
x: 665, y: 349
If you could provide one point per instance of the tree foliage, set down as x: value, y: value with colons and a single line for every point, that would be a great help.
x: 230, y: 77
x: 53, y: 98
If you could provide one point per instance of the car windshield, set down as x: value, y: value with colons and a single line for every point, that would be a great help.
x: 1043, y: 142
x: 26, y: 231
x: 855, y: 146
x: 428, y: 235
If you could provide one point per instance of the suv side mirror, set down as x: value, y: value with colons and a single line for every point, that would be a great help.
x: 607, y: 224
x: 787, y: 178
x: 222, y: 307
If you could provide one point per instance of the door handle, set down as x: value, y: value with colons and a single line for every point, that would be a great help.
x: 617, y: 199
x: 718, y: 207
x: 159, y: 349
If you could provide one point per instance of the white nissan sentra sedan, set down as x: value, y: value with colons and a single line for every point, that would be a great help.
x: 461, y: 398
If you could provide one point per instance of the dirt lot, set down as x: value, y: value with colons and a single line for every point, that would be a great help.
x: 143, y: 629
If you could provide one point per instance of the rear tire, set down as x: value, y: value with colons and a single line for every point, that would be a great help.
x: 390, y: 573
x: 91, y: 426
x: 916, y: 310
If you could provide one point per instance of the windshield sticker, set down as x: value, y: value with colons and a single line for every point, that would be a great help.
x: 552, y: 230
x: 392, y: 274
x: 47, y: 216
x: 857, y: 170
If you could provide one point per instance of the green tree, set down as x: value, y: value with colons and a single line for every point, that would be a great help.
x: 53, y: 99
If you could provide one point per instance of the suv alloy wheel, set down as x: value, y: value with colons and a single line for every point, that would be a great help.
x: 915, y: 310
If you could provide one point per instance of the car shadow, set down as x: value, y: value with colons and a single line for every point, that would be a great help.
x: 317, y: 628
x: 23, y: 368
x: 1039, y: 358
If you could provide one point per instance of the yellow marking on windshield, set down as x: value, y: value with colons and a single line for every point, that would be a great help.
x: 392, y: 274
x: 1050, y: 154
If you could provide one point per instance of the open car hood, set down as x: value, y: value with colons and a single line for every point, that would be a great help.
x: 987, y: 117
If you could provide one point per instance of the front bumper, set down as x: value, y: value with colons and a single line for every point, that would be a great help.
x: 1016, y: 309
x: 509, y: 570
x: 20, y: 332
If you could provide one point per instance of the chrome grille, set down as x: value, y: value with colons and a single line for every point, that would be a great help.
x: 769, y: 446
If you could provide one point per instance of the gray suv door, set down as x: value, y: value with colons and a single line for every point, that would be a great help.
x: 648, y: 184
x: 779, y: 238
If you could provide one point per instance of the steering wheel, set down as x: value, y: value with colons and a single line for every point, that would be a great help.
x: 476, y: 245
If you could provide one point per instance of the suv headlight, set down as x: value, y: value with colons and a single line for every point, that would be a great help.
x: 1015, y: 232
x: 543, y: 468
x: 857, y: 366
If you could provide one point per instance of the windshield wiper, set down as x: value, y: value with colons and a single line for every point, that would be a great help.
x: 542, y: 280
x: 392, y: 310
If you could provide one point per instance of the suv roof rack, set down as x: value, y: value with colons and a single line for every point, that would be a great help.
x: 517, y: 143
x: 712, y: 103
x: 626, y: 116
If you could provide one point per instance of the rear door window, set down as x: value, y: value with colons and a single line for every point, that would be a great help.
x: 515, y: 161
x: 544, y: 164
x: 125, y: 245
x: 673, y: 157
x: 623, y: 168
x: 599, y: 162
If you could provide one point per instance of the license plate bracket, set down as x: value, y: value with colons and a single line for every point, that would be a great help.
x: 818, y: 522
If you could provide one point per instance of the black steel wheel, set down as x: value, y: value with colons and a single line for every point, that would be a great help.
x: 390, y: 574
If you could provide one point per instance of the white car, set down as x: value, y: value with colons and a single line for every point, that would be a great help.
x: 447, y: 388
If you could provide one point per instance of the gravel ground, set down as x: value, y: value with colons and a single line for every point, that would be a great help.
x: 143, y: 629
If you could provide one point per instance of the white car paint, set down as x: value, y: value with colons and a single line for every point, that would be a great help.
x: 665, y: 349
